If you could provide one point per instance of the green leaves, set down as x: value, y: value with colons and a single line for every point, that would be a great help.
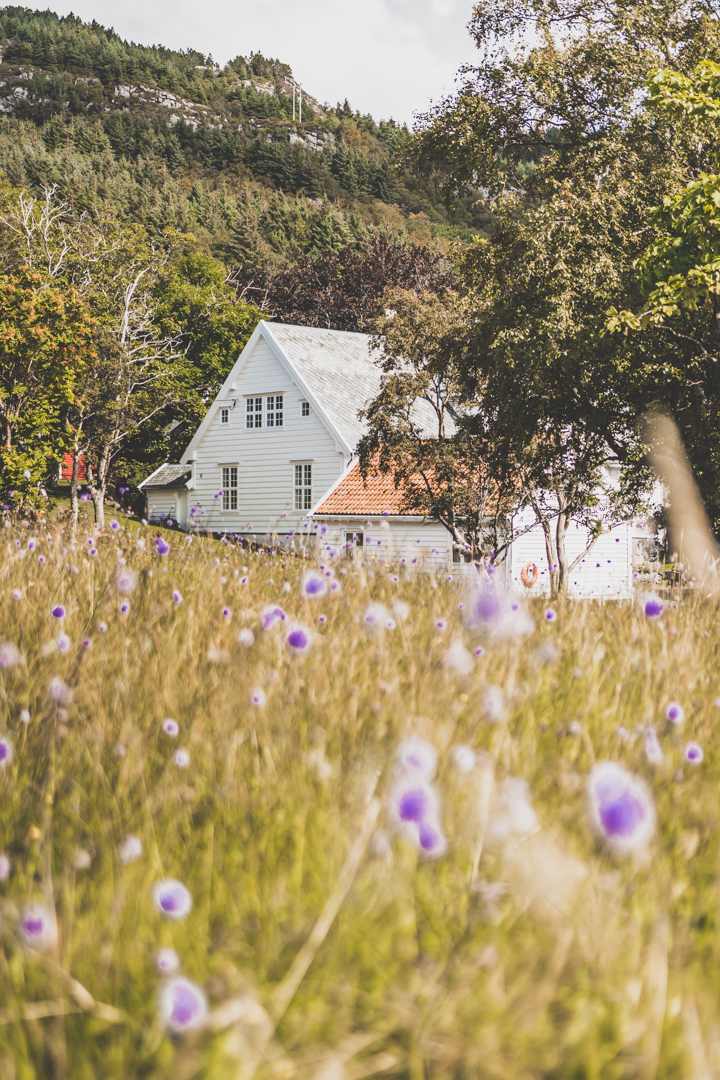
x: 47, y: 339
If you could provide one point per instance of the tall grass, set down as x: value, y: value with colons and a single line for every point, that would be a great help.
x: 540, y: 956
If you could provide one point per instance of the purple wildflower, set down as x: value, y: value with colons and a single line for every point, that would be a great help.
x: 102, y: 627
x: 417, y: 757
x: 441, y: 624
x: 259, y: 697
x: 314, y: 585
x: 227, y: 613
x: 694, y: 753
x: 59, y: 691
x: 177, y: 597
x: 125, y: 607
x: 17, y: 594
x: 550, y: 615
x: 126, y: 581
x: 161, y: 545
x: 182, y: 759
x: 172, y: 899
x: 38, y: 927
x: 87, y: 643
x: 170, y: 727
x: 167, y: 961
x: 58, y: 612
x: 675, y: 713
x: 299, y: 638
x: 653, y: 750
x: 10, y: 656
x: 182, y: 1005
x: 6, y: 751
x: 653, y: 608
x: 270, y: 615
x: 63, y: 643
x: 621, y: 807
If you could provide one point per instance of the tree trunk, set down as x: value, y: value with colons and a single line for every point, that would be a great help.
x: 551, y: 554
x: 74, y: 505
x: 561, y: 556
x: 99, y: 489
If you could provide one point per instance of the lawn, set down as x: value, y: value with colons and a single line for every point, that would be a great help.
x: 230, y: 851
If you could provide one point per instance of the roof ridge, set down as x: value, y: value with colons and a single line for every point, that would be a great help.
x: 318, y: 329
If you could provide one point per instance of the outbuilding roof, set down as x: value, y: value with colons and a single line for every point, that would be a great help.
x: 168, y: 476
x: 376, y: 494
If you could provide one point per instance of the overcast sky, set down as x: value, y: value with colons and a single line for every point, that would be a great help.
x: 388, y: 57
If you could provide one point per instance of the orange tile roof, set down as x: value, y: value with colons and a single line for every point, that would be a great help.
x: 375, y: 495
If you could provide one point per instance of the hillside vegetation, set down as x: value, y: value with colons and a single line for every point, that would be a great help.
x: 171, y: 139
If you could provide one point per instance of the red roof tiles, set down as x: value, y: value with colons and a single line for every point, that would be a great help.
x: 375, y: 495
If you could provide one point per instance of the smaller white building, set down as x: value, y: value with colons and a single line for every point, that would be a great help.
x: 367, y: 518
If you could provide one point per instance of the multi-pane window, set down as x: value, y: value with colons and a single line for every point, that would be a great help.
x: 224, y: 416
x: 354, y: 544
x: 305, y: 410
x: 303, y: 487
x: 229, y: 487
x: 253, y: 412
x: 274, y: 410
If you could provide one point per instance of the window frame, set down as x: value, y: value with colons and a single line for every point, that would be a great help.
x: 302, y: 492
x: 304, y: 409
x: 230, y: 491
x: 274, y: 414
x: 253, y: 413
x: 224, y: 416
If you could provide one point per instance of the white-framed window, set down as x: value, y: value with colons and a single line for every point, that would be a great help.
x: 304, y: 408
x: 354, y: 544
x: 274, y: 410
x: 253, y: 412
x: 229, y: 487
x: 224, y: 416
x: 303, y: 487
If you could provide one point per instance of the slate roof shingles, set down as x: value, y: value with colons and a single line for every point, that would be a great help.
x: 169, y: 476
x: 339, y: 369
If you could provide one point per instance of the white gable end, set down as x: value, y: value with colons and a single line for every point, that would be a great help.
x: 255, y: 467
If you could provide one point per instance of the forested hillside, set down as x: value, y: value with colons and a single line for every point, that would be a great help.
x: 171, y: 139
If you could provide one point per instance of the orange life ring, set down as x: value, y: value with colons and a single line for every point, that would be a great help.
x: 529, y: 575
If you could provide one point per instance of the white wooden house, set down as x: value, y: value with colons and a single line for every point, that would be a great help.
x: 276, y: 451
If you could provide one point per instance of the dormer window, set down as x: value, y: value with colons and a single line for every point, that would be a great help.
x: 224, y: 416
x: 253, y: 412
x: 304, y: 408
x: 274, y: 410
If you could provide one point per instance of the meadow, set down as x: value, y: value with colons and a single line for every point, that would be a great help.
x: 211, y: 866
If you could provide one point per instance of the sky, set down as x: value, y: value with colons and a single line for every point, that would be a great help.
x: 391, y: 58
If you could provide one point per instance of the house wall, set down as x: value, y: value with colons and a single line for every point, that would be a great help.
x: 605, y: 573
x: 168, y: 501
x: 393, y: 539
x: 265, y: 457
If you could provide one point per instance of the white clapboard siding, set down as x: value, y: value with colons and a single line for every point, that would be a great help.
x: 605, y: 573
x: 265, y: 457
x: 167, y: 501
x: 391, y: 540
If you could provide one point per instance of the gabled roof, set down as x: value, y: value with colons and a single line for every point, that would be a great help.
x: 374, y: 495
x: 168, y: 476
x: 334, y: 369
x: 337, y: 366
